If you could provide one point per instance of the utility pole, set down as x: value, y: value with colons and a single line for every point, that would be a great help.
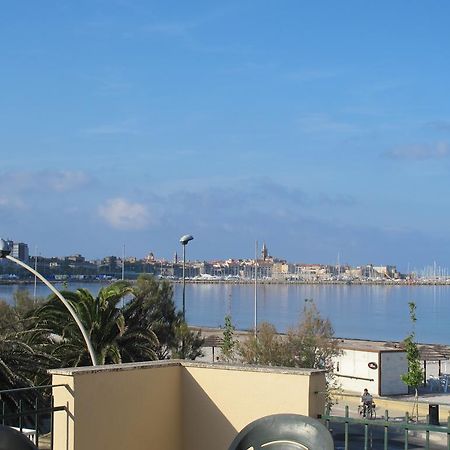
x: 256, y: 290
x: 123, y: 262
x: 35, y: 277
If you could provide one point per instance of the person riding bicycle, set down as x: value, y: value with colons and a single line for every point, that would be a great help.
x: 367, y: 401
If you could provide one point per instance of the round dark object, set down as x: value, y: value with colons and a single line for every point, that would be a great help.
x: 284, y: 431
x: 373, y: 365
x: 11, y: 439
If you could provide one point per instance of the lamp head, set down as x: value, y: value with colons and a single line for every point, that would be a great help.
x: 5, y: 248
x: 186, y: 238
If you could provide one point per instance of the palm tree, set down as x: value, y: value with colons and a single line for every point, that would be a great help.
x: 24, y: 357
x: 114, y: 338
x: 23, y: 364
x: 154, y: 306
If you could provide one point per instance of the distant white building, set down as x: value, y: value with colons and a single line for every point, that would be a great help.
x: 387, y: 271
x: 310, y: 272
x: 376, y: 366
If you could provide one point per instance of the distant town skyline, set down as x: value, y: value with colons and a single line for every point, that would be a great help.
x: 269, y: 265
x: 322, y: 128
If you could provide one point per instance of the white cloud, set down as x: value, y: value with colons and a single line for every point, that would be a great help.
x: 122, y: 214
x: 420, y: 152
x: 20, y: 182
x: 11, y: 202
x: 66, y: 180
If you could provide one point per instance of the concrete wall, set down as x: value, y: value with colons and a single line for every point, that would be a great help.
x: 174, y: 405
x: 64, y: 421
x: 393, y: 365
x: 121, y: 409
x: 221, y: 402
x: 354, y: 365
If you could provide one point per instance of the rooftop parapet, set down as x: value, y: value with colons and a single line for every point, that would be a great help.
x: 175, y: 405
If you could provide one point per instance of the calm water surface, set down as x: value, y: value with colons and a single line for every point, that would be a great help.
x: 367, y: 312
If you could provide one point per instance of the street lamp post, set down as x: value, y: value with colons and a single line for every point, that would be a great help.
x: 256, y: 293
x: 5, y: 251
x: 184, y: 241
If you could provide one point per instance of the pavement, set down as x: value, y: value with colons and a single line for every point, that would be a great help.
x: 397, y: 405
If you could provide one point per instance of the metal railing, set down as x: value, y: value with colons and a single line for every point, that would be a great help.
x: 380, y: 432
x: 31, y: 411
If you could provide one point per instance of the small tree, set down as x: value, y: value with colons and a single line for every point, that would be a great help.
x: 229, y: 343
x: 310, y: 345
x: 265, y: 349
x: 414, y: 377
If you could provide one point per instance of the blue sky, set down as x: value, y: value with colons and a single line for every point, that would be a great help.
x: 319, y: 127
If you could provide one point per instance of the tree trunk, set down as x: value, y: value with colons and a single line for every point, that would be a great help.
x: 415, y: 411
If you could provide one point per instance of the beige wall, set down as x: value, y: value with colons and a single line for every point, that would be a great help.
x: 220, y: 402
x: 317, y: 394
x: 64, y: 421
x: 175, y: 406
x: 130, y: 409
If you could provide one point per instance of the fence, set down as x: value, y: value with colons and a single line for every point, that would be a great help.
x: 31, y: 411
x: 382, y: 432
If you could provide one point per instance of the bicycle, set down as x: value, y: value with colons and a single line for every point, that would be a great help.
x: 368, y: 410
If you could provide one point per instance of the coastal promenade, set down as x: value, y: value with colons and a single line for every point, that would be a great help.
x: 397, y: 405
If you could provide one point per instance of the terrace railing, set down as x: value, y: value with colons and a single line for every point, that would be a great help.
x: 386, y: 432
x: 31, y: 410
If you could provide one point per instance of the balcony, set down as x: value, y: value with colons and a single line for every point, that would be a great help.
x: 174, y: 405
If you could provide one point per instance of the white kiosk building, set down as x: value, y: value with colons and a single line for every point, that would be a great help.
x: 374, y: 365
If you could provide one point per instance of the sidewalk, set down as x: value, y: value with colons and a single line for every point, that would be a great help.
x: 398, y: 405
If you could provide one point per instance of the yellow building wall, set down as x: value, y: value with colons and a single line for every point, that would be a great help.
x: 123, y: 409
x: 63, y: 436
x: 220, y: 402
x: 174, y: 405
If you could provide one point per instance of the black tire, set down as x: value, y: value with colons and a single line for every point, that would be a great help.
x: 295, y: 430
